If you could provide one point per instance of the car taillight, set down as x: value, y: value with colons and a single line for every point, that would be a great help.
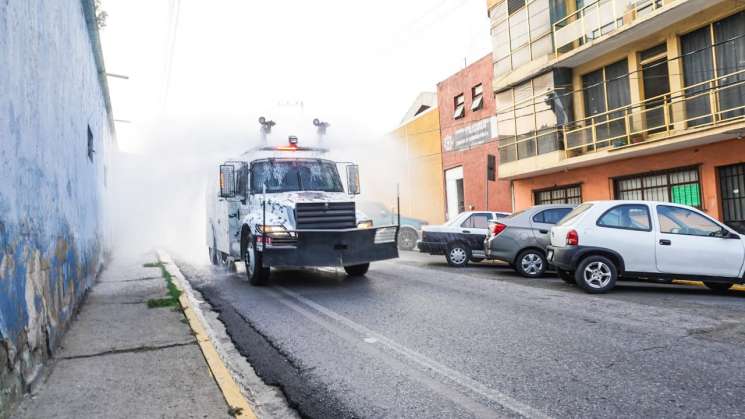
x: 497, y: 228
x: 572, y: 238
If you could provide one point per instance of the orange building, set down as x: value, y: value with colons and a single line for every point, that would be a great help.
x: 622, y: 100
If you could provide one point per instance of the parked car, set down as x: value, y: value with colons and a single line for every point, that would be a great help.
x: 600, y: 242
x: 380, y: 215
x: 521, y: 238
x: 461, y: 239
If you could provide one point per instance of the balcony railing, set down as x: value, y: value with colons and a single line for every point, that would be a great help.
x: 704, y: 105
x: 597, y: 20
x: 530, y: 145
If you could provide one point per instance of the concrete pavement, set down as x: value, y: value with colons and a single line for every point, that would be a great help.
x: 121, y: 359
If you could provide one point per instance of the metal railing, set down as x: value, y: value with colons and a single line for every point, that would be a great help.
x: 598, y: 19
x: 708, y: 104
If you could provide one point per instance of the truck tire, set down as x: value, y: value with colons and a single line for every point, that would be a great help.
x: 256, y: 273
x: 357, y: 270
x: 407, y: 238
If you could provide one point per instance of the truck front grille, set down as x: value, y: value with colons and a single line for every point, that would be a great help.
x: 325, y: 215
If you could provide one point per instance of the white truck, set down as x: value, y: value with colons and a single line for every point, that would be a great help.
x: 286, y: 206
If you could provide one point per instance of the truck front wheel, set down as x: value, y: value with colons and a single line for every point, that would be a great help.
x: 357, y: 270
x: 256, y: 272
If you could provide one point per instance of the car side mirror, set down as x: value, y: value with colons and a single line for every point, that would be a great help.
x: 353, y: 179
x: 227, y: 181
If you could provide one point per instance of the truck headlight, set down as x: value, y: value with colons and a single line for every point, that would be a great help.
x: 273, y: 231
x: 365, y: 224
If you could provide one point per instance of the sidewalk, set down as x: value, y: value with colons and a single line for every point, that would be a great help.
x: 122, y: 359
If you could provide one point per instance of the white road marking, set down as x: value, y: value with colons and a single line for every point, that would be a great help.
x: 496, y: 396
x: 370, y: 340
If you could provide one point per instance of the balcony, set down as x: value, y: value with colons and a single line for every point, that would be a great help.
x: 608, y: 22
x: 704, y: 113
x: 597, y: 20
x: 700, y: 107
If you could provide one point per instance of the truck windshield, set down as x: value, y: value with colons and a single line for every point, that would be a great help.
x: 295, y: 175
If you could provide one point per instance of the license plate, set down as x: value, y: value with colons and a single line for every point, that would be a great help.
x: 550, y: 255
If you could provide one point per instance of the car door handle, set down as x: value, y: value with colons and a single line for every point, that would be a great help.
x: 543, y: 231
x: 665, y: 242
x: 466, y: 231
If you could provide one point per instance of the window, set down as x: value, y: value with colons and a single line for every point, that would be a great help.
x: 680, y: 186
x: 480, y: 220
x: 526, y: 122
x: 604, y: 90
x: 576, y: 212
x: 551, y: 216
x: 703, y: 75
x: 91, y: 150
x: 675, y: 220
x: 560, y: 195
x: 520, y: 34
x: 491, y: 167
x: 460, y: 106
x: 514, y: 5
x: 629, y: 217
x: 477, y: 97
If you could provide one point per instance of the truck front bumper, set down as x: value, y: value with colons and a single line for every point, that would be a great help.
x: 317, y: 248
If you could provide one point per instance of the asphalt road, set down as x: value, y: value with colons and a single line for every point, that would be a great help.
x: 417, y: 339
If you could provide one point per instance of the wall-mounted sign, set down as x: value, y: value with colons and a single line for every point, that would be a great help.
x: 472, y: 135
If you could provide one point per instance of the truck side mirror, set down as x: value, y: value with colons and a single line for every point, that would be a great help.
x: 227, y: 181
x: 353, y: 179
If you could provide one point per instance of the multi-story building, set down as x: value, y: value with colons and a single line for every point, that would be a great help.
x: 622, y: 99
x: 418, y: 139
x: 469, y: 153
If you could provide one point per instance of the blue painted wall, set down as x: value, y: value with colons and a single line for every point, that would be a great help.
x: 51, y: 192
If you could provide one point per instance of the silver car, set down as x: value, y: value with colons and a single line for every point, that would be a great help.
x: 521, y: 238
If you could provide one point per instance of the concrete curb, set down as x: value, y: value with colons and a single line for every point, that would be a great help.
x: 735, y: 287
x: 230, y: 389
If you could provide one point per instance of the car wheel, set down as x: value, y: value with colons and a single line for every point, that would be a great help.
x: 566, y: 276
x: 718, y: 286
x: 256, y: 273
x: 357, y: 270
x: 407, y: 239
x: 596, y: 274
x: 531, y: 263
x: 458, y: 254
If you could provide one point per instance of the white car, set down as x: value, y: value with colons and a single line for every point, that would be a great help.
x: 598, y: 242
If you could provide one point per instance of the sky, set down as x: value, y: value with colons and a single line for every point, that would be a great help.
x: 359, y: 65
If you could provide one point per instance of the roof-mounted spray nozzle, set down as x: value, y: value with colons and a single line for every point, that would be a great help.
x: 266, y: 128
x: 320, y: 128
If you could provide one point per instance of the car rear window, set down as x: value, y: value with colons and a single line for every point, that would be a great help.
x: 574, y: 213
x: 551, y: 216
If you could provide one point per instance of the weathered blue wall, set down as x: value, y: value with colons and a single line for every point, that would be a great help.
x: 51, y: 193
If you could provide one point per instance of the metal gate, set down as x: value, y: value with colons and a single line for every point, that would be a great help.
x: 732, y: 194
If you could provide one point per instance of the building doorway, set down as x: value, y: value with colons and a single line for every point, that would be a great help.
x: 656, y: 87
x: 732, y: 195
x: 454, y: 193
